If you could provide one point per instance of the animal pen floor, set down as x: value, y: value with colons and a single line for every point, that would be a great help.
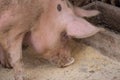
x: 90, y: 64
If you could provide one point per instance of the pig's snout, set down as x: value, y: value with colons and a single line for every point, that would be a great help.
x: 62, y: 61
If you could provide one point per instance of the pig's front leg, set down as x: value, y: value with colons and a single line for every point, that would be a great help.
x: 13, y: 46
x: 4, y: 59
x: 16, y: 56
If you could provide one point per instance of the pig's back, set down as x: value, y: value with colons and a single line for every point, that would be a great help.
x: 23, y: 13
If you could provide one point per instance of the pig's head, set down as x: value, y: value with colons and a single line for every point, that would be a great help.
x: 60, y: 17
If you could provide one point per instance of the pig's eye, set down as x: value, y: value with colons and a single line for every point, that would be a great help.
x: 59, y: 7
x: 64, y: 36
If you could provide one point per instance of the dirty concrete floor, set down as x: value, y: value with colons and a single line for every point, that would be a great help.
x: 90, y: 64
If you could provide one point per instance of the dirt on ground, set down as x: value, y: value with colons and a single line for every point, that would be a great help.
x: 89, y: 64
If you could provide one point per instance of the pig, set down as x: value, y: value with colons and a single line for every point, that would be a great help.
x: 49, y: 25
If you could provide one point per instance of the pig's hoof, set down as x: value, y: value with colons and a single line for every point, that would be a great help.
x: 6, y: 64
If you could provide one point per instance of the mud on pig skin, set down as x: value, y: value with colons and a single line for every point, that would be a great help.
x: 46, y: 20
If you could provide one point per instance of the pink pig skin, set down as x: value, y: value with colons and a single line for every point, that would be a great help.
x: 51, y: 24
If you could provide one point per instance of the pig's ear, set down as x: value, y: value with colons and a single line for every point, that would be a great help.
x: 81, y: 29
x: 85, y: 13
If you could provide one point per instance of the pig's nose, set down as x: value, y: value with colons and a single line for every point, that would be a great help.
x: 71, y: 61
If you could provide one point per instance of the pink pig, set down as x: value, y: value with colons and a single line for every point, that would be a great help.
x: 51, y: 24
